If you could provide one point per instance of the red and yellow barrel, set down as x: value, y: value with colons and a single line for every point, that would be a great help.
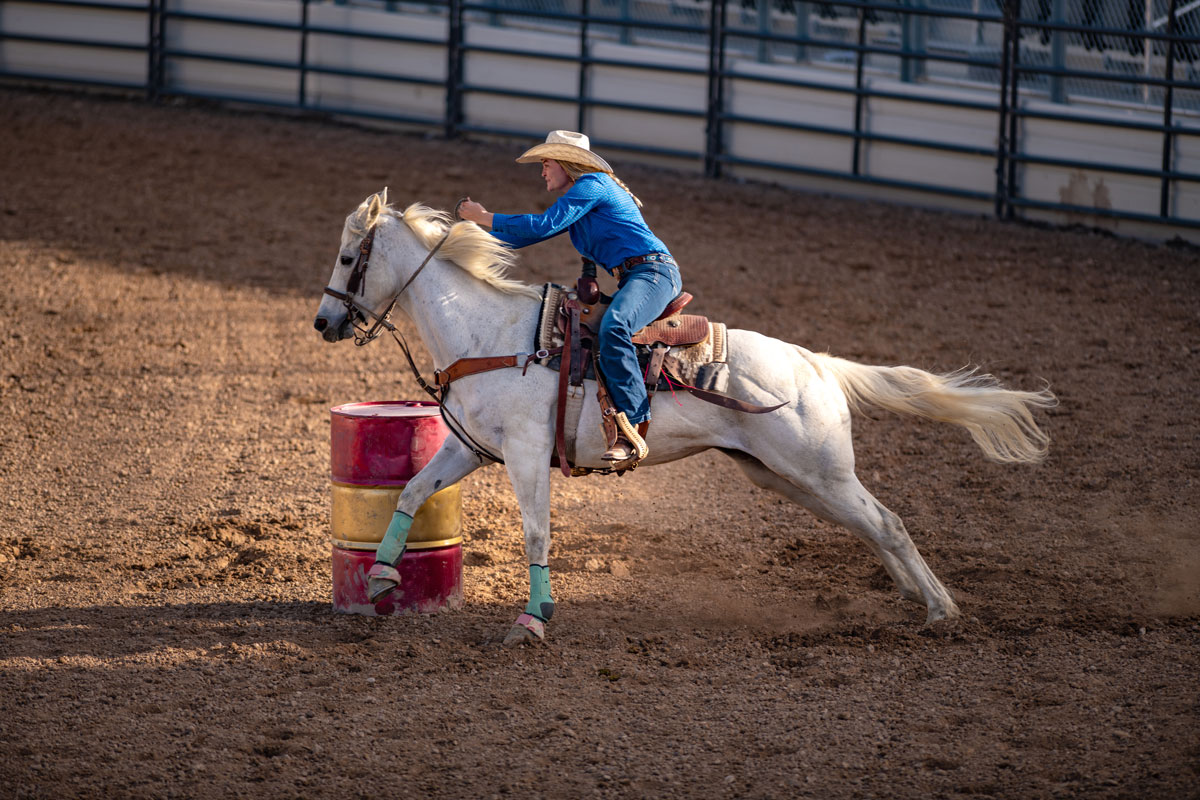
x: 375, y: 449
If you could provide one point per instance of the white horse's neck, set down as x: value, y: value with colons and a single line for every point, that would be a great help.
x: 457, y: 315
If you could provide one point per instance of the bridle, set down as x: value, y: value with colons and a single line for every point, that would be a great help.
x: 357, y: 282
x: 381, y: 322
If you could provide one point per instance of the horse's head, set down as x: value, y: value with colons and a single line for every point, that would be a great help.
x: 335, y: 319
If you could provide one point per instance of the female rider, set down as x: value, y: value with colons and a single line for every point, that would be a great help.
x: 606, y: 228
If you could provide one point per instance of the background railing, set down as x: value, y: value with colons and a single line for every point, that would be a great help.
x: 1083, y: 110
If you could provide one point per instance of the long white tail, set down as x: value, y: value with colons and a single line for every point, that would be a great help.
x: 998, y: 419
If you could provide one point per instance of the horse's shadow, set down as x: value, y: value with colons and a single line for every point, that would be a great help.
x: 297, y: 627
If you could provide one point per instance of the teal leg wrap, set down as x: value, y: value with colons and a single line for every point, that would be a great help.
x: 541, y: 604
x: 391, y: 549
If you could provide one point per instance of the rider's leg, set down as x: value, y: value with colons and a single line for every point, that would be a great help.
x: 644, y: 292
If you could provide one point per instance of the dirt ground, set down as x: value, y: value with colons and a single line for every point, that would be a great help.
x: 165, y: 619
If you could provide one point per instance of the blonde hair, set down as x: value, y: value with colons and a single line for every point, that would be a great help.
x: 576, y: 170
x: 469, y: 246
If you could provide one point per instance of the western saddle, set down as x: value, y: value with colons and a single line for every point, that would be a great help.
x: 567, y: 319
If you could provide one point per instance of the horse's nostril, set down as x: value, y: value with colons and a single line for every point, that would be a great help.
x: 320, y: 323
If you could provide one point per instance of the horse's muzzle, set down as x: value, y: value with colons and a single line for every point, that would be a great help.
x: 334, y: 333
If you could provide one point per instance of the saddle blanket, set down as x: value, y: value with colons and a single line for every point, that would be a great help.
x: 703, y: 365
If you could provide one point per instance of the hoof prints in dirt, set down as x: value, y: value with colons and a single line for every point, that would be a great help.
x: 235, y: 548
x: 13, y: 548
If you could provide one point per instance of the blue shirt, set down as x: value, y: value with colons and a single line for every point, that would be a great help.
x: 605, y: 224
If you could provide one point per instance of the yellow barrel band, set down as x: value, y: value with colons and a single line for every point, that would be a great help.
x: 362, y: 513
x: 346, y: 545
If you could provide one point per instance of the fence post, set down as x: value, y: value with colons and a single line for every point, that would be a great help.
x: 1164, y: 198
x: 454, y: 68
x: 1014, y: 108
x: 154, y: 45
x: 1002, y: 133
x: 859, y: 99
x: 801, y: 31
x: 1058, y: 52
x: 583, y: 68
x: 716, y: 89
x: 303, y: 53
x: 912, y: 41
x: 764, y: 29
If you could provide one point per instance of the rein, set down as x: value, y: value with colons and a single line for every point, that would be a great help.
x: 381, y: 322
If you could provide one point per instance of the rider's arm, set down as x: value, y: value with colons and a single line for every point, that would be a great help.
x: 581, y: 198
x: 472, y: 211
x: 513, y: 240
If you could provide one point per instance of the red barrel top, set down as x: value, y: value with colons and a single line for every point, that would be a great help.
x: 383, y: 443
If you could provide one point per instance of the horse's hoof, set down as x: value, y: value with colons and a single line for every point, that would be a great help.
x: 944, y: 616
x: 382, y: 580
x: 527, y: 628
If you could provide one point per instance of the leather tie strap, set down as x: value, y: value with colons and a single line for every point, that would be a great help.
x: 722, y: 400
x: 472, y: 366
x: 570, y: 348
x: 573, y: 310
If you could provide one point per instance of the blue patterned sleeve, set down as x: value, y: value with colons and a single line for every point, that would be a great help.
x: 520, y: 230
x: 513, y: 240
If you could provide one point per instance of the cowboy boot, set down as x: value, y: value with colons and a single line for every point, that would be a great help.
x: 629, y: 447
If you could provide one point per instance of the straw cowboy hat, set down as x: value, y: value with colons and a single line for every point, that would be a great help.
x: 565, y: 146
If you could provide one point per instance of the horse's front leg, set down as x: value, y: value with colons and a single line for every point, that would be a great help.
x: 530, y: 476
x: 449, y: 465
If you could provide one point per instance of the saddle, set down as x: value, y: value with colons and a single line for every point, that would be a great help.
x: 684, y: 351
x: 677, y: 350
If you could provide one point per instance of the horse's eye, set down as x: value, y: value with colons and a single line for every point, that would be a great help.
x: 346, y: 261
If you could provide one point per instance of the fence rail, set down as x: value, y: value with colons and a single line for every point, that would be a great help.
x: 868, y: 70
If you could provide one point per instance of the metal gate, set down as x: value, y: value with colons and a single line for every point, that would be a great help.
x: 1104, y: 68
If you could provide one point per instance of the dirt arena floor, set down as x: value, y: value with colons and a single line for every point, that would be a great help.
x: 165, y: 618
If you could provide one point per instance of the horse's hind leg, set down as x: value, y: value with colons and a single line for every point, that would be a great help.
x: 763, y: 477
x: 845, y: 501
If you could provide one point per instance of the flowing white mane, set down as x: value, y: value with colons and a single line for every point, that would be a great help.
x: 469, y: 246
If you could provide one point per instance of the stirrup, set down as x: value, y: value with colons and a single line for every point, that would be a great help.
x: 621, y: 451
x: 629, y: 447
x: 382, y: 580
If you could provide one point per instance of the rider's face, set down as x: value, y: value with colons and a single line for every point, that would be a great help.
x: 555, y: 176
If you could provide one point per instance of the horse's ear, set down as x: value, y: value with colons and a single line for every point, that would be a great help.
x: 373, y: 209
x: 383, y: 197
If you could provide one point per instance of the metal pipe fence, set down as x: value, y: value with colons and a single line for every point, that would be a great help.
x: 1028, y: 62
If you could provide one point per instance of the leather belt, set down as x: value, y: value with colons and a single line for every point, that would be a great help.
x: 620, y: 269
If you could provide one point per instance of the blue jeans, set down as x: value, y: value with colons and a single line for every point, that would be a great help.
x: 642, y: 294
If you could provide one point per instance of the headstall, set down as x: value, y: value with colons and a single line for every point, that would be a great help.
x: 381, y: 322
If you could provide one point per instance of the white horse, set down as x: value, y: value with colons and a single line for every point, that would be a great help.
x: 462, y: 305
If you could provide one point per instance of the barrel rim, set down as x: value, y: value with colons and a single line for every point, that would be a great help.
x: 386, y: 487
x: 398, y: 409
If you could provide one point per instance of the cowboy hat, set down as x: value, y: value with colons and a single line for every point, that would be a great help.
x: 565, y: 146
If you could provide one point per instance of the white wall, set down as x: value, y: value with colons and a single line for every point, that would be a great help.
x: 74, y: 63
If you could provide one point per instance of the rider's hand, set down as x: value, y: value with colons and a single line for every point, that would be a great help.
x: 588, y: 290
x: 474, y: 212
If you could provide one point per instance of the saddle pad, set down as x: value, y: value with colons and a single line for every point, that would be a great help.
x: 547, y: 335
